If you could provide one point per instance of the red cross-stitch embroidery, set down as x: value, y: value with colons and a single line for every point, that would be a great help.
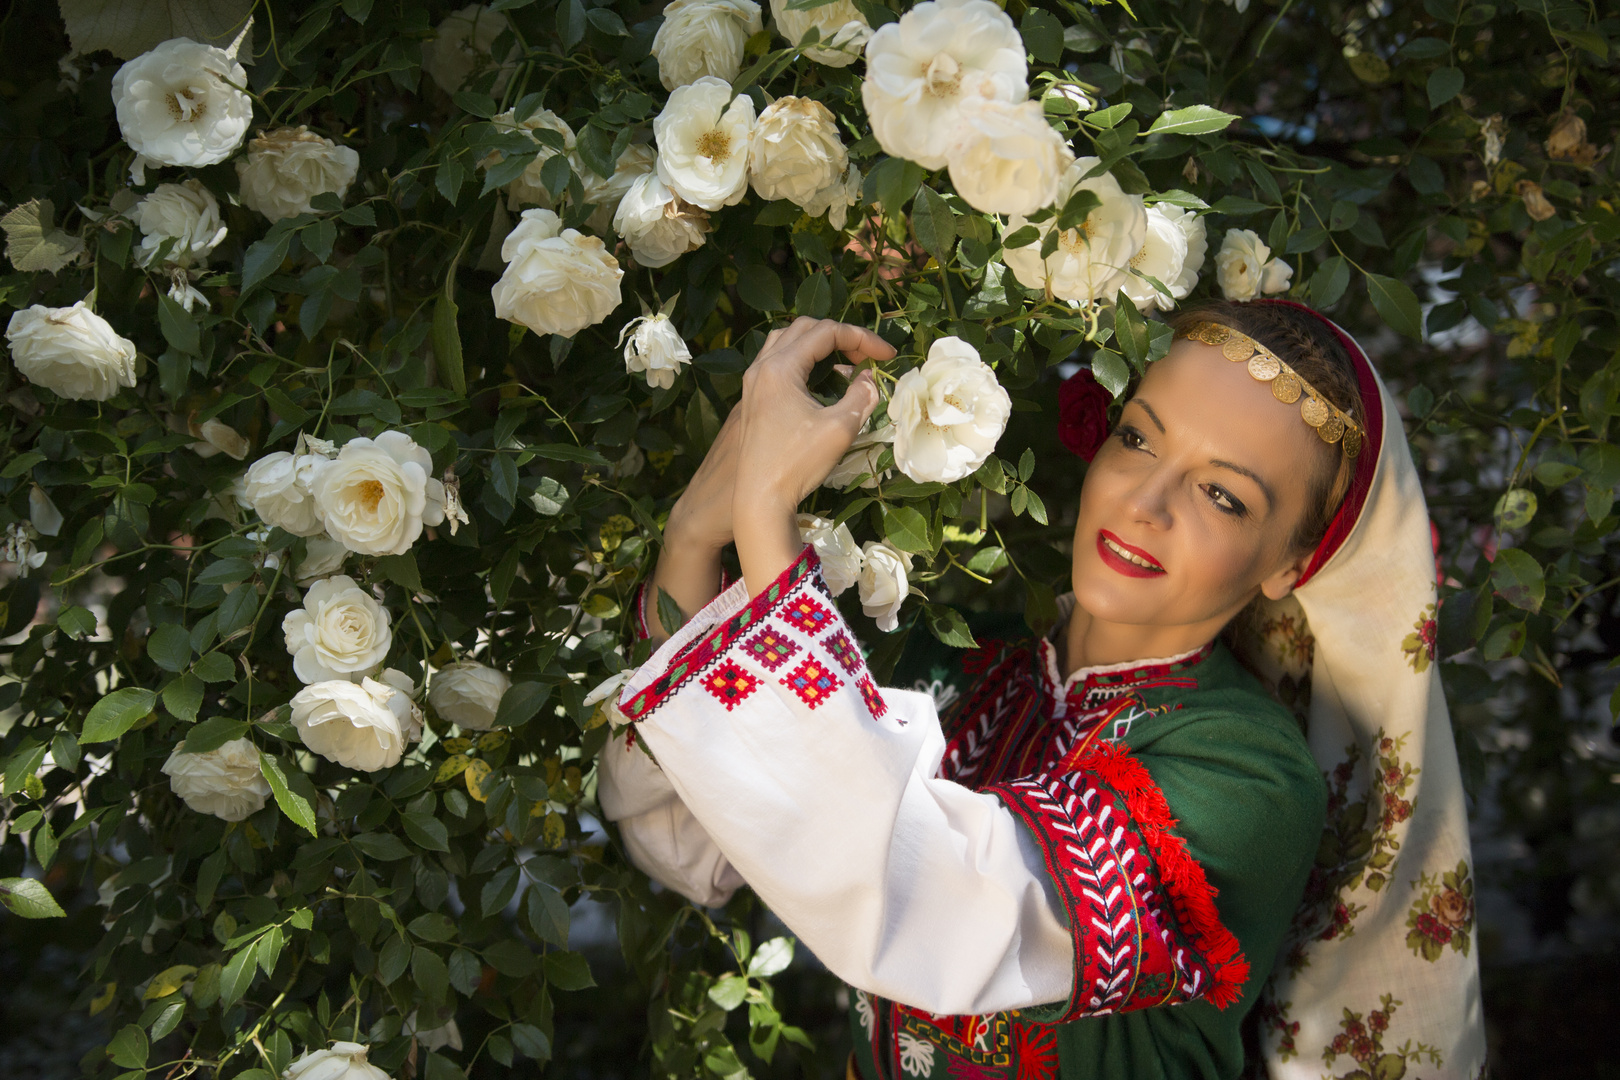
x: 812, y: 681
x: 730, y: 684
x: 874, y: 700
x: 844, y: 651
x: 770, y: 647
x: 803, y: 613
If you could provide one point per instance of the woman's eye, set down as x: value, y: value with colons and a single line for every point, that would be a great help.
x: 1224, y: 500
x: 1131, y: 438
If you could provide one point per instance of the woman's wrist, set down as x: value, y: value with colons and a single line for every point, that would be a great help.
x: 767, y: 540
x: 689, y: 570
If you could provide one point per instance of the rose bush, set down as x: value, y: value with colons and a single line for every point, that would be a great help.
x: 452, y: 305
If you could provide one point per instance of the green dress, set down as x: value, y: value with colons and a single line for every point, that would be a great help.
x: 1178, y: 808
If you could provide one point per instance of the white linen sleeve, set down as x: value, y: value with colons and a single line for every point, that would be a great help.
x: 821, y: 792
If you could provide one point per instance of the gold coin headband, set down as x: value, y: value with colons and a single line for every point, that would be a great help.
x: 1332, y: 424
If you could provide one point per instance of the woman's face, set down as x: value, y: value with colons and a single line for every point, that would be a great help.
x: 1191, y: 505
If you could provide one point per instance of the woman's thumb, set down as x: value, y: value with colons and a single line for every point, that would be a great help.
x: 858, y: 402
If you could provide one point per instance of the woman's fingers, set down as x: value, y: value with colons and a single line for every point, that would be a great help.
x: 856, y: 405
x: 808, y: 340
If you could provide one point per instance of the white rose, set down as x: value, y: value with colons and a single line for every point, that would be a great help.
x: 947, y: 414
x: 225, y: 781
x: 840, y: 557
x: 1093, y: 261
x: 467, y: 694
x: 285, y: 169
x: 1276, y: 277
x: 862, y: 460
x: 842, y: 31
x: 376, y: 495
x: 658, y: 224
x: 1005, y: 158
x: 360, y: 726
x: 19, y: 548
x: 920, y: 69
x: 186, y: 216
x: 835, y: 201
x: 1192, y: 227
x: 702, y: 136
x: 446, y: 1034
x: 411, y: 718
x: 527, y: 190
x: 277, y: 488
x: 637, y: 161
x: 179, y: 104
x: 463, y: 46
x: 883, y: 587
x: 654, y: 348
x: 341, y: 632
x: 71, y: 351
x: 218, y: 437
x: 557, y: 281
x: 703, y: 37
x: 795, y: 152
x: 323, y: 557
x: 345, y: 1061
x: 1242, y: 263
x: 1166, y: 255
x: 43, y: 513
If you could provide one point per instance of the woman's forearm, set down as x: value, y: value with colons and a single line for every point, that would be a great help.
x: 689, y: 571
x: 767, y: 540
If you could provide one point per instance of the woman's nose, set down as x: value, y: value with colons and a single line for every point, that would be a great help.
x: 1149, y: 501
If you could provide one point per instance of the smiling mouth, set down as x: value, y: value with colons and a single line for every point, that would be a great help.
x: 1126, y: 559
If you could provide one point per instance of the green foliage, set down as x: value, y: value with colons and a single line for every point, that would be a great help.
x: 1377, y: 154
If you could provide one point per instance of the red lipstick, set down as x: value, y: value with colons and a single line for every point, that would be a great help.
x: 1118, y: 562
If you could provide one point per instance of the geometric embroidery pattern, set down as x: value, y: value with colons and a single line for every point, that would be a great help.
x: 813, y: 681
x: 805, y: 615
x: 770, y: 647
x: 874, y: 700
x: 730, y: 684
x: 844, y: 651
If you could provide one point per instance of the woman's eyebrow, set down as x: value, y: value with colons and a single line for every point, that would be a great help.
x: 1151, y: 414
x: 1265, y: 488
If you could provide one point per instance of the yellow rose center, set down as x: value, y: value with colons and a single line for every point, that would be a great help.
x: 944, y: 76
x: 714, y: 145
x: 187, y: 105
x: 371, y: 494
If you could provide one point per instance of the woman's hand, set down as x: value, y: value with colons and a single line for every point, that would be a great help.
x: 787, y: 441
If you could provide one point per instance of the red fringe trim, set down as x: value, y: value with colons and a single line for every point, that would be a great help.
x: 1182, y: 877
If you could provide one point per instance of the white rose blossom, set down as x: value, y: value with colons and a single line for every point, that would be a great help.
x: 463, y: 46
x: 1173, y: 251
x: 43, y: 513
x: 323, y: 557
x: 468, y: 694
x: 1245, y: 269
x: 557, y: 281
x: 653, y: 347
x: 795, y: 152
x: 225, y: 781
x: 836, y: 547
x: 920, y: 69
x: 446, y: 1034
x: 19, y: 548
x: 184, y: 216
x: 1005, y: 158
x: 527, y: 189
x: 218, y: 437
x: 411, y: 718
x: 341, y: 632
x: 842, y: 31
x: 1092, y: 261
x: 345, y: 1061
x: 361, y: 726
x: 376, y: 495
x: 882, y: 585
x: 658, y: 224
x: 948, y: 413
x: 286, y: 168
x: 835, y: 201
x: 71, y: 351
x: 179, y: 104
x: 277, y: 488
x: 861, y: 460
x: 703, y: 37
x: 605, y: 194
x: 703, y: 135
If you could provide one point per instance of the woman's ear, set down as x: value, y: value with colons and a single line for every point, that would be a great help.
x: 1281, y: 583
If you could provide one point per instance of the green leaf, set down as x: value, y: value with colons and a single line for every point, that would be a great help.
x: 179, y: 328
x: 1075, y: 210
x: 729, y: 992
x: 1397, y: 304
x: 511, y: 957
x: 531, y: 1041
x: 297, y: 808
x: 814, y: 297
x: 226, y: 572
x: 1107, y: 118
x: 568, y: 971
x: 382, y: 846
x: 1330, y: 281
x: 1043, y: 35
x: 948, y: 625
x: 759, y: 287
x: 29, y: 898
x: 771, y: 958
x: 401, y: 570
x: 429, y: 972
x: 1444, y: 84
x: 570, y: 22
x: 520, y: 703
x: 184, y: 696
x: 215, y: 667
x: 128, y: 1048
x: 1193, y: 120
x: 906, y: 529
x: 212, y: 733
x: 426, y: 831
x: 238, y: 975
x: 933, y: 222
x: 263, y: 258
x: 1515, y: 509
x: 1131, y: 331
x: 1110, y: 371
x: 447, y: 344
x: 116, y: 713
x: 548, y: 914
x: 169, y: 646
x: 1519, y: 579
x: 32, y: 244
x: 394, y: 958
x: 891, y: 183
x: 466, y: 971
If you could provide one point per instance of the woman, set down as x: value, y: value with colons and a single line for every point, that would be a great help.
x: 1091, y: 862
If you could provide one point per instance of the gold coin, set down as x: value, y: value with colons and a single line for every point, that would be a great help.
x: 1213, y: 333
x: 1286, y: 388
x: 1314, y: 411
x: 1238, y: 349
x: 1263, y: 367
x: 1332, y: 429
x: 1352, y: 442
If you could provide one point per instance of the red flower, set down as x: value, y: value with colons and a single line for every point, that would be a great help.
x: 1341, y: 1044
x: 1036, y: 1053
x: 1433, y: 929
x: 1355, y: 1029
x: 1392, y: 777
x: 1083, y: 414
x: 1362, y: 1050
x: 1378, y: 1021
